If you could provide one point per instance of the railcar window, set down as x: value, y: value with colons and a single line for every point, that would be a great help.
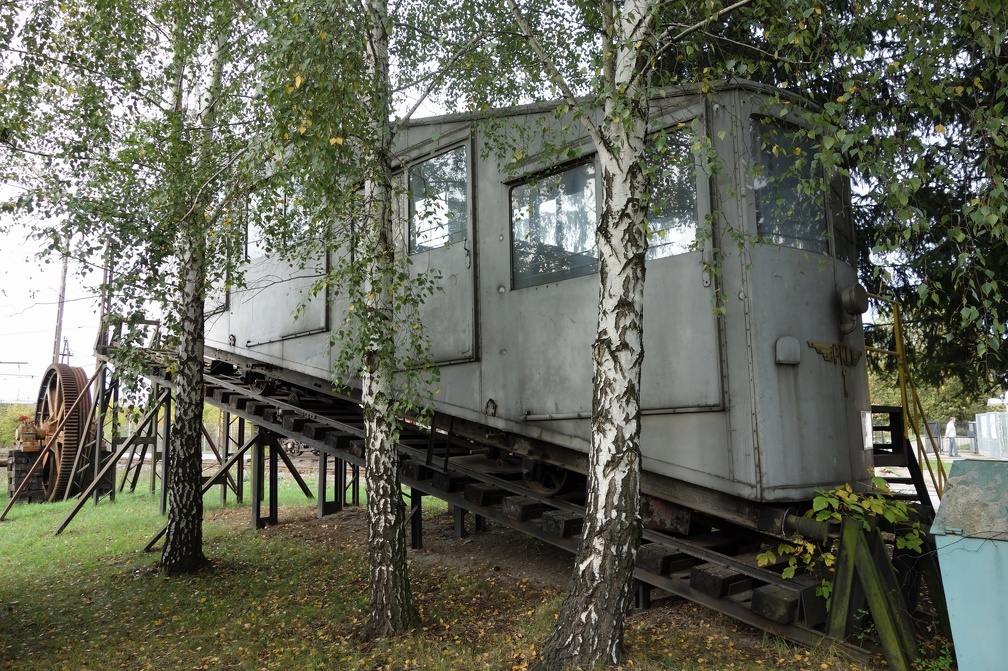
x: 672, y: 220
x: 789, y: 199
x: 273, y: 219
x: 439, y: 201
x: 843, y: 223
x: 553, y: 227
x: 255, y: 244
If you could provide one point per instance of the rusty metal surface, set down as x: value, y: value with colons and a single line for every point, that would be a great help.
x: 58, y: 402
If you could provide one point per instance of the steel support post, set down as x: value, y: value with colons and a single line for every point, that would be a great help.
x: 258, y: 462
x: 240, y: 464
x: 274, y: 451
x: 155, y: 434
x: 326, y: 506
x: 459, y: 514
x: 260, y: 480
x: 224, y: 443
x: 96, y: 465
x: 416, y: 518
x: 354, y: 485
x: 165, y: 453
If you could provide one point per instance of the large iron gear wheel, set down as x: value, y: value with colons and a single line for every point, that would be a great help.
x: 60, y: 389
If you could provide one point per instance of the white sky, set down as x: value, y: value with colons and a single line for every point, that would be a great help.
x: 29, y: 293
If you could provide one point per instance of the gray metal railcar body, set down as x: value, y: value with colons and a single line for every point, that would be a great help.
x: 760, y: 402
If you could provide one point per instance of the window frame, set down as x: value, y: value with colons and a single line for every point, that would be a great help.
x: 470, y: 195
x: 589, y: 160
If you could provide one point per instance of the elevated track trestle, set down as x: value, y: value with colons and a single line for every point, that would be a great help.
x: 715, y: 565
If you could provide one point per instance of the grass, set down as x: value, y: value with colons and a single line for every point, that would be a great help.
x: 295, y: 597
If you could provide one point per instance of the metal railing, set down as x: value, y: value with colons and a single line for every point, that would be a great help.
x: 913, y: 411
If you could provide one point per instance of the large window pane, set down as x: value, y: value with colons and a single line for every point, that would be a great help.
x: 274, y: 220
x: 553, y: 227
x: 789, y: 198
x: 439, y: 201
x: 672, y: 219
x: 843, y: 224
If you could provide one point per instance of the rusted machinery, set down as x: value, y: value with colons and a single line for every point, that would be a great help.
x: 57, y: 450
x: 61, y: 419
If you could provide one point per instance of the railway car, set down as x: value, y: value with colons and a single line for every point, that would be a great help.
x: 754, y: 388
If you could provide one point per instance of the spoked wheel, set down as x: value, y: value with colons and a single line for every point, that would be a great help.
x: 61, y: 386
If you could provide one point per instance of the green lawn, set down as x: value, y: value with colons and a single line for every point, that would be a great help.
x: 295, y: 597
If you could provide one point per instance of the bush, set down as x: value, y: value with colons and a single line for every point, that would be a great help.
x: 9, y: 414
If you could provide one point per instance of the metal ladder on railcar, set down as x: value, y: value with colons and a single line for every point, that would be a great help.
x: 907, y: 440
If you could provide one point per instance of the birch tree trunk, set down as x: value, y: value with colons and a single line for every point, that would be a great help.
x: 391, y: 607
x: 183, y: 549
x: 589, y: 628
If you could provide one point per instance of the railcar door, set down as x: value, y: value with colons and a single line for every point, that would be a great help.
x: 440, y: 241
x: 681, y: 341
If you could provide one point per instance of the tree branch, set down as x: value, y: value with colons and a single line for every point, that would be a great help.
x: 436, y: 78
x: 665, y: 43
x: 554, y: 74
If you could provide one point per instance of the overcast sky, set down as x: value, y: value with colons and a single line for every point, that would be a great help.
x: 29, y: 293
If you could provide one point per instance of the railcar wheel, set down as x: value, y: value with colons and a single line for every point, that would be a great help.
x: 546, y: 479
x: 57, y: 401
x: 262, y: 385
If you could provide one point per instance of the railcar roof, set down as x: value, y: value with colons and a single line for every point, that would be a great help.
x: 667, y: 93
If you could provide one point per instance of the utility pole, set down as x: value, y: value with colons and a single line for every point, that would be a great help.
x: 57, y: 339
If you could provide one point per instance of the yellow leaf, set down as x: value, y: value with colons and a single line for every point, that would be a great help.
x: 336, y: 140
x: 298, y: 80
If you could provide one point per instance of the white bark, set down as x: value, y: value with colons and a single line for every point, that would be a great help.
x: 183, y: 549
x: 391, y: 608
x: 589, y: 628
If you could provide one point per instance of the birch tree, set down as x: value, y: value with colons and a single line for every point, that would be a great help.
x: 589, y: 628
x: 335, y: 121
x: 123, y: 133
x: 183, y: 548
x: 391, y: 608
x: 601, y: 59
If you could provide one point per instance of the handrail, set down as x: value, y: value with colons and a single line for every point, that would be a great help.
x: 913, y: 410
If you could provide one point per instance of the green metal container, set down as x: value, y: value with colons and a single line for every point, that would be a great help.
x: 971, y: 532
